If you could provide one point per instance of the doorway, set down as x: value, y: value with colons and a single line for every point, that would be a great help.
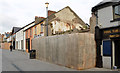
x: 28, y: 44
x: 13, y: 45
x: 117, y: 53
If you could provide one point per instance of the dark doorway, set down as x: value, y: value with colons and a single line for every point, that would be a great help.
x: 28, y: 44
x: 117, y: 53
x: 13, y: 45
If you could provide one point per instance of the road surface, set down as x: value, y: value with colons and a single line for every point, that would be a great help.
x: 19, y: 61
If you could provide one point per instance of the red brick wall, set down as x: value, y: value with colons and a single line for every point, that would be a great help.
x: 28, y: 36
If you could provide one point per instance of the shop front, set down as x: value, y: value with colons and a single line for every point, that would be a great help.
x: 108, y: 47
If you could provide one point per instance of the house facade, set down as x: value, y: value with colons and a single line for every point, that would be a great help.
x: 62, y: 21
x: 4, y: 42
x: 1, y: 39
x: 107, y: 33
x: 65, y: 20
x: 6, y: 35
x: 28, y: 37
x: 20, y: 37
x: 34, y: 31
x: 13, y: 37
x: 24, y: 35
x: 19, y: 40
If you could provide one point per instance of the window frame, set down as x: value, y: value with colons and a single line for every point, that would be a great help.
x: 27, y: 34
x: 31, y: 32
x: 114, y: 18
x: 35, y: 30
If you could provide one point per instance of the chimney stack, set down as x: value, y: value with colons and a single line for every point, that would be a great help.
x: 50, y: 12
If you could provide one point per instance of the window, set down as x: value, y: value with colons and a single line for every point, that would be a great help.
x: 116, y: 11
x: 31, y: 32
x: 107, y: 47
x: 41, y: 27
x: 26, y: 34
x: 35, y: 30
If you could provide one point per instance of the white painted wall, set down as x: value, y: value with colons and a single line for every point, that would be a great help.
x: 19, y: 37
x: 24, y: 41
x: 106, y: 62
x: 105, y: 15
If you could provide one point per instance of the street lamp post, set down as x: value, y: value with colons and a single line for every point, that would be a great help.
x: 47, y: 17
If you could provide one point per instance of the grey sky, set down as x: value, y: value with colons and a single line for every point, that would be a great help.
x: 18, y: 13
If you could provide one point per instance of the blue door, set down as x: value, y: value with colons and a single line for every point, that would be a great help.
x: 107, y: 48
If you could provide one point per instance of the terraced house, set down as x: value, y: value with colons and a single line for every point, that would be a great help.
x: 20, y: 37
x: 33, y: 31
x: 63, y: 21
x: 5, y: 40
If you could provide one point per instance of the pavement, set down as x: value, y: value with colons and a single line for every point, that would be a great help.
x: 19, y: 61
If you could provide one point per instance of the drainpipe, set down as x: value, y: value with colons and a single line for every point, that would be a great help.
x: 98, y: 39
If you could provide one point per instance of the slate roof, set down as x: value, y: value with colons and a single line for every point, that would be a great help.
x: 105, y: 3
x: 15, y: 29
x: 25, y: 26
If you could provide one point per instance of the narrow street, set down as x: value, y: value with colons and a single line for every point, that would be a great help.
x: 19, y: 61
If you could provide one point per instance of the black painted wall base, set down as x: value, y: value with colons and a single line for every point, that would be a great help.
x: 99, y: 62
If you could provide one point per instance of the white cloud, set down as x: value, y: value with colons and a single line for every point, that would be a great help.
x: 22, y: 12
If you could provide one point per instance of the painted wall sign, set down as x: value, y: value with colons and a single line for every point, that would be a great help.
x: 111, y: 33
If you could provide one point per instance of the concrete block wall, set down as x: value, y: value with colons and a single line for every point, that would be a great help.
x: 75, y: 50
